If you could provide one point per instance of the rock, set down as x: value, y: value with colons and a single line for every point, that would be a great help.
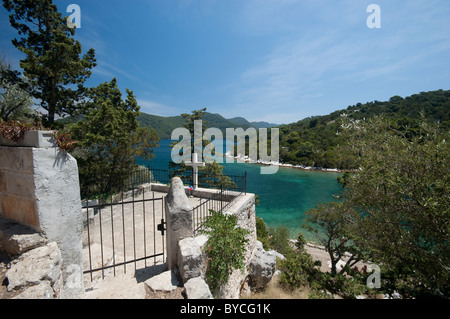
x: 37, y: 267
x: 43, y: 290
x: 261, y: 268
x: 201, y: 240
x: 122, y: 286
x: 165, y: 282
x: 190, y: 259
x: 197, y: 288
x: 15, y: 239
x: 276, y: 254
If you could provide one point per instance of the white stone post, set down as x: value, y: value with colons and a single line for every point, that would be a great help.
x: 39, y: 187
x: 179, y: 221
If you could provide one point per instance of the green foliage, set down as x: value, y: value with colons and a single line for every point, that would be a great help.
x: 313, y: 141
x: 402, y: 193
x: 164, y: 125
x: 53, y: 67
x: 395, y: 208
x: 210, y: 175
x: 15, y: 103
x: 299, y: 269
x: 262, y: 233
x: 110, y: 138
x: 273, y: 238
x: 279, y: 239
x: 225, y: 247
x: 332, y: 224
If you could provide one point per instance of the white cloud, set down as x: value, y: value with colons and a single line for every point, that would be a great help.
x: 155, y: 108
x: 343, y: 52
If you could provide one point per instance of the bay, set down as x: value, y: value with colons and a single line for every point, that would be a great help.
x: 284, y: 197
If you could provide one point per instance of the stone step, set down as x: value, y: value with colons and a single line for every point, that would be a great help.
x: 15, y: 239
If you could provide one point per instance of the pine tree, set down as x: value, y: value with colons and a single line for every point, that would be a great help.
x: 53, y: 67
x: 109, y: 139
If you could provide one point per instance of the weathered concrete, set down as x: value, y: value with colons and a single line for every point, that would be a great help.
x: 179, y: 220
x: 33, y: 138
x: 39, y: 187
x: 59, y: 205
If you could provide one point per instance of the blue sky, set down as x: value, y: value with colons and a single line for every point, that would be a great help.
x: 276, y: 61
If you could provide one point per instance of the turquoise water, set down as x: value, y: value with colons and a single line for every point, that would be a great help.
x: 284, y: 197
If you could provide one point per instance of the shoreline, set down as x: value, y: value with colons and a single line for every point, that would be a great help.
x: 246, y: 159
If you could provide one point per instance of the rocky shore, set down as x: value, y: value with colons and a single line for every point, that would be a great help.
x: 246, y: 159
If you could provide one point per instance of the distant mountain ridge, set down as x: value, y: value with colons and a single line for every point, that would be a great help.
x: 164, y: 125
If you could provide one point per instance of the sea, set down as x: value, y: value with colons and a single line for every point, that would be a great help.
x: 284, y: 197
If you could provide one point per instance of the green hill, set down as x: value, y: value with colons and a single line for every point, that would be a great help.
x: 161, y: 124
x: 311, y: 141
x: 165, y: 125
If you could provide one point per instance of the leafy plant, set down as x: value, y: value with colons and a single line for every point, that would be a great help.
x: 15, y: 130
x: 225, y: 247
x: 64, y: 141
x: 299, y: 269
x: 109, y: 138
x: 262, y: 233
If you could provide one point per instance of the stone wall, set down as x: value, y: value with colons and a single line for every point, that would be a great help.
x: 30, y: 265
x: 244, y: 209
x: 186, y: 251
x: 39, y: 187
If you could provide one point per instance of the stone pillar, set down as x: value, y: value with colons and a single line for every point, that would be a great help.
x: 39, y: 187
x: 179, y: 222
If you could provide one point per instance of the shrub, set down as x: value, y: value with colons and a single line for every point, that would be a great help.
x: 225, y: 248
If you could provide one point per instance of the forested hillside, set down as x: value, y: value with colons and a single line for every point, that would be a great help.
x: 165, y: 125
x: 312, y: 141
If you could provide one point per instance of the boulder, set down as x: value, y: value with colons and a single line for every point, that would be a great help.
x: 15, y: 239
x: 43, y: 290
x: 197, y: 288
x: 165, y: 282
x: 190, y: 259
x: 276, y: 254
x: 261, y: 268
x: 37, y: 267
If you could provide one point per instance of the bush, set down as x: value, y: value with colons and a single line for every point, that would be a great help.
x: 225, y: 248
x: 299, y: 269
x: 279, y: 239
x: 262, y: 233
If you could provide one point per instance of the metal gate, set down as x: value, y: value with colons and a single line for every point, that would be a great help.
x: 123, y: 230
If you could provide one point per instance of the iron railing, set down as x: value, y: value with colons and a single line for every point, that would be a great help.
x: 126, y: 220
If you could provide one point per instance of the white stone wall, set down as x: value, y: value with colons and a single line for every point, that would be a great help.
x: 244, y: 209
x: 39, y: 187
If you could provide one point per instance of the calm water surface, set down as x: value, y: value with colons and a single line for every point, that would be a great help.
x: 284, y: 197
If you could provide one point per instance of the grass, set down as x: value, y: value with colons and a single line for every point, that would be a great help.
x: 275, y: 291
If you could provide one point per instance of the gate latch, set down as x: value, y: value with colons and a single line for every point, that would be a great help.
x: 161, y: 227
